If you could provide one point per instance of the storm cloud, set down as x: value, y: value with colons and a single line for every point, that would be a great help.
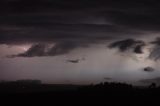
x: 155, y: 52
x: 59, y: 48
x: 53, y: 20
x: 128, y: 44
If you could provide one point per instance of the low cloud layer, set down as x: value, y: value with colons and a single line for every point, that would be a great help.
x: 58, y: 48
x: 137, y: 47
x: 128, y: 44
x: 63, y: 47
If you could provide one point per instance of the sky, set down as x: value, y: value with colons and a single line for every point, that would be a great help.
x: 80, y: 42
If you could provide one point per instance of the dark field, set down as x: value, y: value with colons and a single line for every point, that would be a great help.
x: 59, y: 94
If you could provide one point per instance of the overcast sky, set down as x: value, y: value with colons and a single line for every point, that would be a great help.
x: 80, y: 42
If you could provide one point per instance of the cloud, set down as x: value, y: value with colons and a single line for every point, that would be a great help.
x: 92, y: 21
x: 156, y: 42
x: 128, y: 44
x: 35, y: 50
x: 52, y: 20
x: 155, y: 52
x: 73, y: 61
x: 76, y: 60
x: 148, y: 69
x: 59, y: 48
x: 138, y: 48
x: 62, y: 48
x: 56, y: 32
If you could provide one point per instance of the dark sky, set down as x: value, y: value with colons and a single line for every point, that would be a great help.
x: 43, y: 20
x: 101, y: 33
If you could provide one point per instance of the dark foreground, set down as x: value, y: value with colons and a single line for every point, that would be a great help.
x: 54, y: 95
